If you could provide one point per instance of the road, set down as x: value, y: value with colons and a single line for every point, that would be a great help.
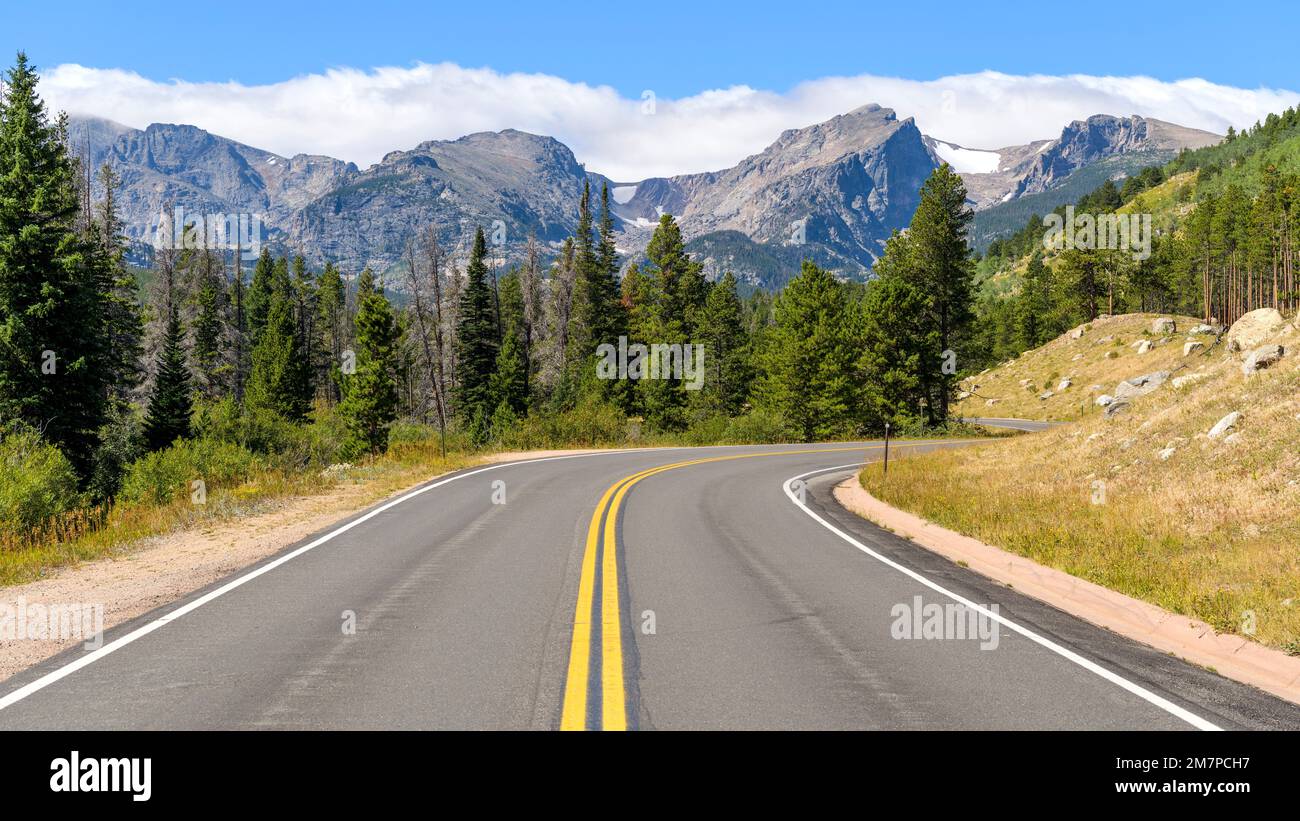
x: 718, y: 593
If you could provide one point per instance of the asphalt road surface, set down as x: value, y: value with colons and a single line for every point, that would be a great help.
x: 726, y: 589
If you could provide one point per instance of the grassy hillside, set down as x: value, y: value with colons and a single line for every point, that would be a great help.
x: 1145, y: 502
x: 1101, y: 357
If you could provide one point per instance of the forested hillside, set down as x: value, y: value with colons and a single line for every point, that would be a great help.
x: 1223, y: 242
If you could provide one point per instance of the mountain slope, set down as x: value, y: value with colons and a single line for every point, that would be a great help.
x: 1059, y: 172
x: 833, y: 191
x: 1153, y: 501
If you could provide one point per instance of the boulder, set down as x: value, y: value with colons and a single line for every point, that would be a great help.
x: 1192, y: 347
x: 1166, y: 453
x: 992, y: 402
x: 1046, y: 395
x: 1164, y: 325
x: 1203, y: 329
x: 1117, y: 407
x: 1180, y: 381
x: 1144, y: 346
x: 1105, y: 399
x: 1224, y: 425
x: 1261, y: 358
x: 1140, y: 385
x: 1253, y: 328
x: 1077, y: 333
x: 1063, y: 384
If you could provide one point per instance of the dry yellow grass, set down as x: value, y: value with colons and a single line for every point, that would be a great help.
x: 1212, y: 531
x: 1095, y: 362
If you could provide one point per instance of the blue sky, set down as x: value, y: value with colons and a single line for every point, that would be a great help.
x: 357, y: 80
x: 674, y: 47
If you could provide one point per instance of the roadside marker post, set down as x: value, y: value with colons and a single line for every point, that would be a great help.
x: 886, y: 471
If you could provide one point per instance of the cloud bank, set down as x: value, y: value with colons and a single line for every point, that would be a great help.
x: 360, y: 115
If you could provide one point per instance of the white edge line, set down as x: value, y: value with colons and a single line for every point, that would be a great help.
x: 117, y: 644
x: 68, y: 669
x: 1136, y: 689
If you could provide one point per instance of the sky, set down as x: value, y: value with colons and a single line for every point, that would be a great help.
x: 645, y: 89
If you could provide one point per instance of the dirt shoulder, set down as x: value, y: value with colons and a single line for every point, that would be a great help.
x: 161, y: 569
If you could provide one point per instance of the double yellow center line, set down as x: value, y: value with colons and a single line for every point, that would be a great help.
x: 602, y: 552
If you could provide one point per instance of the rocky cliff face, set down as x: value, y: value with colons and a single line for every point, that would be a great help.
x: 1043, y: 165
x: 833, y: 191
x: 840, y: 187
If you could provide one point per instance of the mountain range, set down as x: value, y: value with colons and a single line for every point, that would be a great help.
x: 833, y: 191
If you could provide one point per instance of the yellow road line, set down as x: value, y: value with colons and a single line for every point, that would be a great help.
x: 574, y: 715
x: 613, y: 712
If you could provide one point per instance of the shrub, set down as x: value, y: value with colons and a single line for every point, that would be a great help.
x: 260, y: 430
x: 121, y: 442
x: 165, y: 475
x: 37, y: 482
x: 759, y: 426
x: 591, y: 423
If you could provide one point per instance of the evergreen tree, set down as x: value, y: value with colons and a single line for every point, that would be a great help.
x: 939, y: 265
x: 673, y: 309
x: 727, y: 357
x: 510, y: 386
x: 476, y: 343
x: 1033, y: 305
x: 123, y: 322
x: 895, y: 344
x: 811, y: 357
x: 280, y: 380
x: 208, y: 324
x: 170, y: 406
x: 369, y: 406
x: 260, y: 294
x: 330, y: 299
x: 54, y: 358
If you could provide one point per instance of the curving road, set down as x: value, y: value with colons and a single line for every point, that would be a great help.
x: 613, y: 591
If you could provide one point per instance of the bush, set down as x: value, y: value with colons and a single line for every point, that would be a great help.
x: 165, y: 475
x: 759, y: 426
x: 591, y: 423
x: 37, y: 482
x: 121, y: 442
x: 263, y: 431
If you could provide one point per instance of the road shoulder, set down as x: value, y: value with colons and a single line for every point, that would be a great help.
x: 1187, y: 638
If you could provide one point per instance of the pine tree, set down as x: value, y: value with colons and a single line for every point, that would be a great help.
x: 280, y: 380
x: 812, y: 357
x: 673, y: 311
x: 208, y: 324
x: 369, y: 406
x: 897, y: 339
x: 260, y: 294
x: 940, y: 267
x: 330, y: 310
x: 170, y: 406
x: 122, y: 318
x: 726, y: 349
x: 1033, y: 305
x: 54, y: 356
x: 510, y: 386
x: 476, y: 343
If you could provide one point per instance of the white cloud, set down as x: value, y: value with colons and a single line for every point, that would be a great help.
x: 361, y: 115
